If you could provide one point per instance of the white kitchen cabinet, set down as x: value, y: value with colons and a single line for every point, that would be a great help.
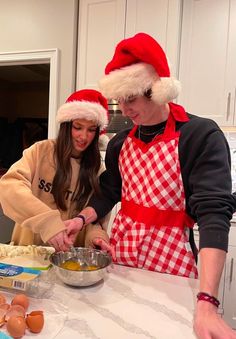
x: 103, y: 23
x: 227, y: 288
x: 207, y: 59
x: 160, y: 19
x: 229, y: 300
x: 101, y: 26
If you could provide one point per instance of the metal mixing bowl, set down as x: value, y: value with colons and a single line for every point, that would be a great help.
x: 84, y: 256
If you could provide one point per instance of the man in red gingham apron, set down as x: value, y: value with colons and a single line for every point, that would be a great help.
x: 150, y: 230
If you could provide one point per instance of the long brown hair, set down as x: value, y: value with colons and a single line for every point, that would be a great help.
x: 89, y: 166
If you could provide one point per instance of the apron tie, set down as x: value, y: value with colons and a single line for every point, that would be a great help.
x: 154, y: 216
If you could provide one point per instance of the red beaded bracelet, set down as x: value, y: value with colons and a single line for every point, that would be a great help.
x: 207, y: 297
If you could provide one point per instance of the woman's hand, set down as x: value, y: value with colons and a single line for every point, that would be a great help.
x: 104, y: 246
x: 209, y: 325
x: 61, y: 241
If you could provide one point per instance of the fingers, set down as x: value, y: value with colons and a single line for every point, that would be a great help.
x: 99, y: 243
x: 53, y: 244
x: 113, y: 254
x: 56, y: 245
x: 61, y: 241
x: 73, y: 225
x: 67, y: 240
x: 105, y: 247
x: 72, y: 238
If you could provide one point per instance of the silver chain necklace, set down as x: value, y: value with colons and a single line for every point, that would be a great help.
x: 156, y: 133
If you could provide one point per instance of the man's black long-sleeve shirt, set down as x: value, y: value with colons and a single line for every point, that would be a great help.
x: 205, y: 167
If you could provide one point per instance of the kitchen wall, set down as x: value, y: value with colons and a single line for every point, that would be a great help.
x: 28, y: 25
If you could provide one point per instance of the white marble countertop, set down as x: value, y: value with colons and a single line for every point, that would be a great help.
x: 128, y: 304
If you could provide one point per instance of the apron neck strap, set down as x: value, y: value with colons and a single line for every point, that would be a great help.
x: 177, y: 113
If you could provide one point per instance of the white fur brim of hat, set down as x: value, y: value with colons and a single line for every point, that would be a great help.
x: 83, y: 110
x: 135, y: 80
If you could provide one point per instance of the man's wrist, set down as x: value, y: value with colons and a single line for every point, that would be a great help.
x: 203, y: 296
x: 80, y: 216
x: 88, y: 215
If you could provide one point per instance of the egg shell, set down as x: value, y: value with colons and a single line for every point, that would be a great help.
x: 16, y: 311
x: 5, y: 307
x: 3, y: 299
x: 35, y: 321
x: 16, y: 326
x: 3, y: 311
x: 2, y: 317
x: 21, y: 299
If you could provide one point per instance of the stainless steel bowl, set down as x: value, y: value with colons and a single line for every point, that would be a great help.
x: 84, y: 256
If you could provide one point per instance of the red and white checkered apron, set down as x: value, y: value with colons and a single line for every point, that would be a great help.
x: 151, y: 229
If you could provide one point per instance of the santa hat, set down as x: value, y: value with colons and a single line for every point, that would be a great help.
x: 139, y: 63
x: 87, y: 104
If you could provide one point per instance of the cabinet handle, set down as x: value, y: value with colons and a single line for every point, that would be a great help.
x: 231, y: 270
x: 228, y: 106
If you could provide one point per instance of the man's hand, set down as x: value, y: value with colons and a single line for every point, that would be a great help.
x: 73, y: 226
x: 104, y: 246
x: 60, y: 241
x: 209, y: 325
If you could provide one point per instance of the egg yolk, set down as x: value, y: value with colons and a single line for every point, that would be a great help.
x: 75, y: 266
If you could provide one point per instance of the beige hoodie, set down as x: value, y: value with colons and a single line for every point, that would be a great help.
x: 25, y: 197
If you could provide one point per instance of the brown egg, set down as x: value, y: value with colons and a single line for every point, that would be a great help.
x: 5, y: 306
x: 16, y: 311
x: 21, y: 299
x: 16, y: 326
x: 2, y: 317
x: 2, y: 299
x: 3, y: 310
x: 35, y: 321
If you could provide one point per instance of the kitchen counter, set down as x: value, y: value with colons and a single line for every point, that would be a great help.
x: 128, y: 304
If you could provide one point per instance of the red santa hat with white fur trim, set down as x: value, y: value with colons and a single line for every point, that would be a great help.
x: 87, y: 104
x: 139, y: 64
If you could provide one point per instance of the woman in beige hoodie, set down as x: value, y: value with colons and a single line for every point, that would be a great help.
x: 54, y: 178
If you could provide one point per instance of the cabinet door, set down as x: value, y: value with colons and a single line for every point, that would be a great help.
x: 230, y: 288
x: 231, y: 70
x: 160, y: 19
x: 101, y: 26
x: 207, y: 69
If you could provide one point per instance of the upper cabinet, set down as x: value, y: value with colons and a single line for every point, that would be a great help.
x: 198, y: 36
x: 207, y: 59
x: 160, y: 19
x: 103, y: 23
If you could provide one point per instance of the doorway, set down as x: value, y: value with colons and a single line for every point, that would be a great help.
x: 28, y: 101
